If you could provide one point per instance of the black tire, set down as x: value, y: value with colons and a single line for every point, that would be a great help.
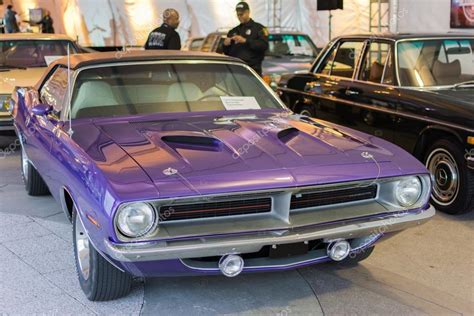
x: 307, y: 110
x: 104, y: 281
x: 358, y: 256
x: 34, y: 184
x: 442, y: 157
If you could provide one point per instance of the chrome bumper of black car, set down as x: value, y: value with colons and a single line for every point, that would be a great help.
x: 252, y: 242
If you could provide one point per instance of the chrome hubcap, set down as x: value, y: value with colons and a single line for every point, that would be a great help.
x: 24, y: 164
x: 82, y: 248
x: 445, y: 171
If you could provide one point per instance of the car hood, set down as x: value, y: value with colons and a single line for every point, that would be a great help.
x: 287, y: 64
x: 206, y: 154
x: 19, y: 78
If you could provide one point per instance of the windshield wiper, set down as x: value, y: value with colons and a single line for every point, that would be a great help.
x: 11, y: 67
x: 463, y: 84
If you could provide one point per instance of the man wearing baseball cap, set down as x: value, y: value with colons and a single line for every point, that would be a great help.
x: 247, y: 41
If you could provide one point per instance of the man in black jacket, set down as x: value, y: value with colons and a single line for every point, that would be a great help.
x: 247, y: 41
x: 165, y: 36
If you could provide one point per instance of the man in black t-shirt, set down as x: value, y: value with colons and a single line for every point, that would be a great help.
x: 247, y: 41
x: 165, y: 36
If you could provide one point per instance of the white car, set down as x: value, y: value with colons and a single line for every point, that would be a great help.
x: 23, y: 59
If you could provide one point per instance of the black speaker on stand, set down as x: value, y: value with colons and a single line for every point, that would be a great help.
x: 329, y: 5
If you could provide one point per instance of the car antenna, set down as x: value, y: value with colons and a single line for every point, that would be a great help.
x: 70, y: 131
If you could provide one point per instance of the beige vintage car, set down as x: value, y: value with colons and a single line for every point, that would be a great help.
x: 23, y: 59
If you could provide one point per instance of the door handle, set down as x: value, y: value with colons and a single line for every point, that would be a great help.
x: 350, y: 92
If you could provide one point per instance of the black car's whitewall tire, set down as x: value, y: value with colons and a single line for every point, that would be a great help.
x: 99, y: 280
x: 307, y: 110
x: 453, y: 182
x: 34, y: 184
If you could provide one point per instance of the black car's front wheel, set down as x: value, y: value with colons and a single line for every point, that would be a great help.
x: 453, y: 182
x: 308, y: 110
x: 99, y: 280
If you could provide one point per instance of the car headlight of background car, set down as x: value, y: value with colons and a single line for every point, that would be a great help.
x: 4, y: 103
x: 136, y: 219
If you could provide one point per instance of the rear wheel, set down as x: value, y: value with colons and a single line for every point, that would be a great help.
x: 99, y: 280
x: 34, y: 184
x: 453, y: 185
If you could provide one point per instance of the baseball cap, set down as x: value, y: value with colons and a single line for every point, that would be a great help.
x: 242, y: 6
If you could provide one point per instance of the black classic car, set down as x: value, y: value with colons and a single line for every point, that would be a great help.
x: 416, y: 91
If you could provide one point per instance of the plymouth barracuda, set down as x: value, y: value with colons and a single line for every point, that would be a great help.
x: 414, y: 90
x: 179, y: 163
x: 23, y: 59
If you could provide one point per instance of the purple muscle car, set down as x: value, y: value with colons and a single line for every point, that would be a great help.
x: 177, y: 163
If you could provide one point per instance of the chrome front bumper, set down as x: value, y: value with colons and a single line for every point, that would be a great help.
x: 253, y: 242
x: 6, y: 123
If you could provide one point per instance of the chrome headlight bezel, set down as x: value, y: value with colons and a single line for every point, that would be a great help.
x: 388, y: 192
x: 123, y: 223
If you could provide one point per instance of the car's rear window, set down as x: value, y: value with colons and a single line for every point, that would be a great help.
x: 162, y: 88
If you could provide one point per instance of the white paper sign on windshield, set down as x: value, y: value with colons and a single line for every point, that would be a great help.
x: 240, y: 103
x: 50, y: 59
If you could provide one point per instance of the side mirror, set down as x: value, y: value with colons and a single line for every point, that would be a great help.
x: 41, y: 109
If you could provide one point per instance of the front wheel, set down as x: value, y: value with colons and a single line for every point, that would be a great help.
x: 453, y: 186
x: 308, y: 110
x: 34, y: 184
x: 354, y: 258
x: 99, y: 280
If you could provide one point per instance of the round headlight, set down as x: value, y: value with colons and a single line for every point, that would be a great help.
x: 408, y: 191
x: 136, y: 219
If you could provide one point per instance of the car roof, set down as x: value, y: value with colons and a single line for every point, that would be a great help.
x: 81, y: 60
x: 407, y: 36
x: 34, y: 36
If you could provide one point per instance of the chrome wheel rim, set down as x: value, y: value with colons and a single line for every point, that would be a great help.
x: 306, y: 112
x: 82, y: 248
x: 24, y: 164
x: 445, y: 172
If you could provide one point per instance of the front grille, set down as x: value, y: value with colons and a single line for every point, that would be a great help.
x: 214, y: 209
x: 322, y: 198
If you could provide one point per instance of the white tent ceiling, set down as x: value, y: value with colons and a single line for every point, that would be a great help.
x: 128, y: 22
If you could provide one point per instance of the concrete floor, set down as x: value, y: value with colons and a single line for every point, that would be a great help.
x: 425, y: 270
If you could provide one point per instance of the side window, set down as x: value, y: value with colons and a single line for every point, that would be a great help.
x: 326, y: 66
x: 207, y: 45
x: 54, y: 90
x: 344, y: 61
x: 377, y: 65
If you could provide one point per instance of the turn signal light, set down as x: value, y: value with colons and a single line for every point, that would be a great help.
x: 470, y: 140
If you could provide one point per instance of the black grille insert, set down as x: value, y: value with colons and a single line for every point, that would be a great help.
x: 322, y: 198
x: 214, y: 209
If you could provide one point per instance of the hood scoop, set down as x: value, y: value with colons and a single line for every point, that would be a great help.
x: 192, y: 142
x: 288, y: 134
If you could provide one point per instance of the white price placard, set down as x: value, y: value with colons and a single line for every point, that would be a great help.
x: 240, y: 103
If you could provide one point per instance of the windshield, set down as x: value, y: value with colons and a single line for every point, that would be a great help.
x: 290, y: 45
x: 430, y: 63
x: 163, y: 88
x: 31, y: 53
